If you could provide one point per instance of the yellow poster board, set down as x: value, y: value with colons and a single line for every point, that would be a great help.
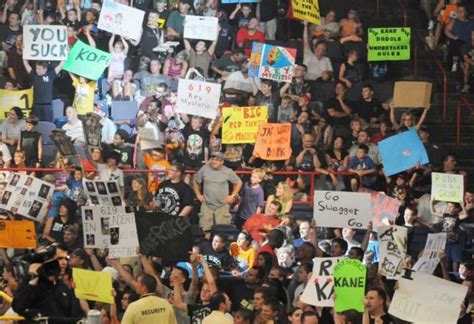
x: 307, y: 10
x: 240, y: 124
x: 93, y: 285
x: 19, y: 98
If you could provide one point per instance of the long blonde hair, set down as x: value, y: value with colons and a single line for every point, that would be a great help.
x: 287, y: 192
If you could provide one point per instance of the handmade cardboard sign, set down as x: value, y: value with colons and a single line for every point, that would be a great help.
x: 240, y: 124
x: 342, y: 209
x: 198, y: 98
x: 349, y: 285
x: 389, y: 44
x: 412, y: 94
x: 273, y: 142
x: 393, y: 249
x: 320, y: 289
x: 423, y: 298
x: 447, y: 187
x: 272, y: 62
x: 45, y: 42
x: 307, y: 10
x: 87, y: 61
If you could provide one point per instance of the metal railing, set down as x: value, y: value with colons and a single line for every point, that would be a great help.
x: 442, y: 70
x: 311, y: 175
x: 463, y: 102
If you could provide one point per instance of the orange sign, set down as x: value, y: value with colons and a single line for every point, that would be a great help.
x: 273, y: 142
x: 17, y: 234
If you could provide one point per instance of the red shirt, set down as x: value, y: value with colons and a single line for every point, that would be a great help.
x: 244, y: 38
x: 258, y: 222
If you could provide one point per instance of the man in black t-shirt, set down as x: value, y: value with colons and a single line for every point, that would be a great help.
x: 42, y: 80
x: 369, y: 108
x: 339, y: 111
x: 375, y: 301
x: 174, y: 196
x: 10, y: 31
x: 125, y: 150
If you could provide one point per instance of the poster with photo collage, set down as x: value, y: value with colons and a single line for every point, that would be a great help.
x: 26, y: 196
x: 103, y: 193
x: 110, y: 227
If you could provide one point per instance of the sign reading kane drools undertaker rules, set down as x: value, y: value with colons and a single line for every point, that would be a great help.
x: 342, y: 209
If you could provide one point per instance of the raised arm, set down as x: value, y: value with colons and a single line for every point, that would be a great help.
x: 27, y: 66
x: 187, y: 45
x: 422, y: 118
x: 305, y: 36
x: 111, y: 43
x: 60, y: 66
x: 124, y: 274
x: 212, y: 48
x: 89, y: 37
x: 433, y: 211
x: 236, y: 10
x: 393, y: 118
x: 126, y: 47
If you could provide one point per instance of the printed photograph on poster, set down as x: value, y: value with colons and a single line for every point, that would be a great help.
x: 26, y: 196
x: 103, y: 193
x: 110, y: 227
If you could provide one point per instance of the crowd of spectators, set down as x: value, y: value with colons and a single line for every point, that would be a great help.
x: 337, y: 120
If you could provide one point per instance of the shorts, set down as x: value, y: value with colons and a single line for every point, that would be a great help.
x: 211, y: 216
x: 453, y: 252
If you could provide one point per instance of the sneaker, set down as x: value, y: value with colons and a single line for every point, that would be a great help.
x: 454, y: 68
x: 430, y: 25
x: 465, y: 88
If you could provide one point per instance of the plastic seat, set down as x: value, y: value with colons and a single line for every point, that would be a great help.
x: 45, y: 128
x: 123, y: 109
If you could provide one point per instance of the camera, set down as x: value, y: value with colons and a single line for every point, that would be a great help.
x: 21, y: 264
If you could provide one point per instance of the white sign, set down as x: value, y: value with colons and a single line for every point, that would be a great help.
x: 198, y: 27
x: 447, y: 187
x: 122, y: 20
x: 429, y: 260
x: 26, y: 196
x: 393, y: 249
x: 112, y: 228
x: 198, y: 98
x: 45, y: 42
x: 320, y: 289
x: 425, y: 299
x: 342, y: 209
x: 103, y: 193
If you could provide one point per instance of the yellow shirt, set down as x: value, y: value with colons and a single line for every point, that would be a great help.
x: 217, y: 317
x: 149, y: 309
x: 84, y: 96
x: 245, y: 259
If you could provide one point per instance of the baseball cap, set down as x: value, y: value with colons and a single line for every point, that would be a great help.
x: 218, y: 155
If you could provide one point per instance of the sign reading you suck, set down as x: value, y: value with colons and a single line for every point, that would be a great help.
x: 45, y: 43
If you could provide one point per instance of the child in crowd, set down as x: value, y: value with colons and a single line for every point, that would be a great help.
x: 286, y: 112
x: 119, y: 52
x: 84, y: 95
x: 363, y: 166
x: 450, y: 225
x: 252, y: 201
x: 155, y: 161
x: 196, y: 138
x: 31, y: 143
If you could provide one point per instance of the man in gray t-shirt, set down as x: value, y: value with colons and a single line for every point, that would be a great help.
x: 214, y: 178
